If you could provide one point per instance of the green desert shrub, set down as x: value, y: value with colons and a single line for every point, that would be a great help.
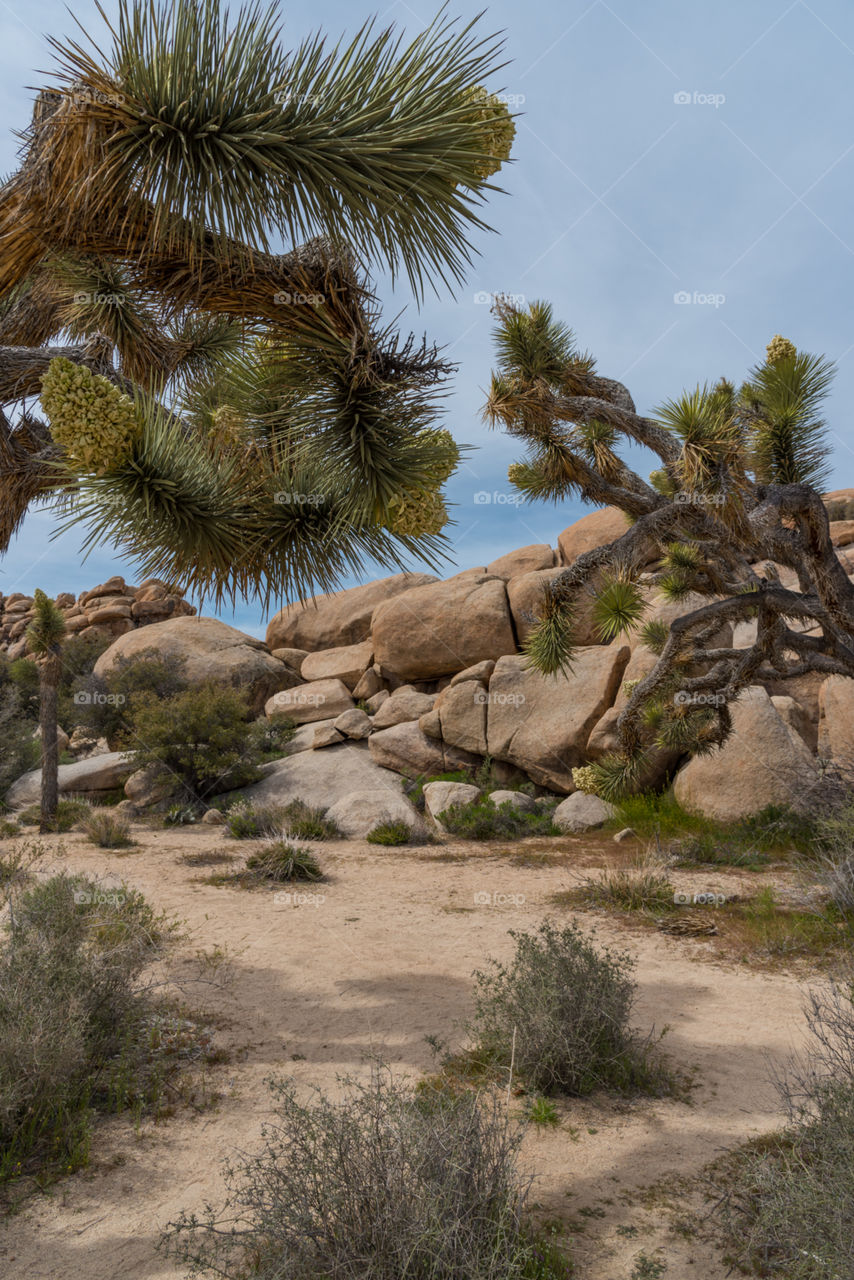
x: 484, y: 820
x: 104, y: 705
x: 390, y: 833
x: 560, y: 1012
x: 247, y: 821
x: 200, y: 738
x: 308, y: 822
x: 69, y: 811
x: 107, y: 831
x: 20, y: 751
x: 270, y: 737
x: 281, y: 861
x: 386, y: 1183
x: 787, y: 1202
x: 70, y: 965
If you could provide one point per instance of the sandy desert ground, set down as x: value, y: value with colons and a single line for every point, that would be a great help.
x: 379, y: 959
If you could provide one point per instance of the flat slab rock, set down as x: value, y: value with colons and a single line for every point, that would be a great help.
x: 98, y: 773
x: 323, y: 778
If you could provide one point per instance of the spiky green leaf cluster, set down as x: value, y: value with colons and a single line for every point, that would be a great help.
x: 617, y: 607
x: 654, y: 634
x: 376, y: 141
x: 782, y: 402
x: 550, y: 646
x: 89, y: 417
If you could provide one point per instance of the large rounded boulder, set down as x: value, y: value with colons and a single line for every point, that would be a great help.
x: 340, y: 618
x: 210, y: 650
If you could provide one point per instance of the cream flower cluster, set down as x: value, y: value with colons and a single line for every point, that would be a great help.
x: 89, y: 417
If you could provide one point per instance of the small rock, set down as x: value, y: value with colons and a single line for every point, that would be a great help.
x: 626, y: 834
x: 353, y: 724
x: 214, y: 817
x: 524, y: 803
x: 326, y: 735
x: 376, y: 700
x: 581, y: 812
x: 439, y: 796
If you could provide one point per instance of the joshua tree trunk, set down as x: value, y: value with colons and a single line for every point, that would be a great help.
x: 48, y: 683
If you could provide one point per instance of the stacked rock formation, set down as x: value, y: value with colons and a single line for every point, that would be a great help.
x: 109, y: 610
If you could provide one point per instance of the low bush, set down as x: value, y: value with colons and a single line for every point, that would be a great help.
x: 269, y: 738
x: 484, y: 820
x: 281, y: 861
x: 107, y: 831
x: 384, y: 1184
x: 390, y: 833
x: 69, y: 991
x: 104, y: 705
x: 787, y: 1203
x: 246, y: 821
x: 21, y: 750
x: 643, y: 885
x: 201, y: 738
x: 307, y: 822
x: 69, y: 812
x: 560, y: 1012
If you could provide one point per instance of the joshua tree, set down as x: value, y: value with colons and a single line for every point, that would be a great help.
x: 736, y: 493
x: 236, y: 418
x: 44, y: 635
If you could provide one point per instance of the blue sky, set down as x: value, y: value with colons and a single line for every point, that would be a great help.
x: 664, y: 149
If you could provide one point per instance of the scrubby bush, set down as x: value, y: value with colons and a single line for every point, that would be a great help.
x: 484, y: 820
x: 107, y: 831
x: 104, y: 705
x: 282, y: 861
x: 390, y: 833
x: 643, y: 885
x: 308, y: 822
x: 560, y: 1011
x: 384, y: 1184
x: 200, y: 738
x: 270, y: 737
x: 69, y: 812
x: 21, y: 750
x: 69, y: 970
x: 788, y: 1202
x: 246, y: 821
